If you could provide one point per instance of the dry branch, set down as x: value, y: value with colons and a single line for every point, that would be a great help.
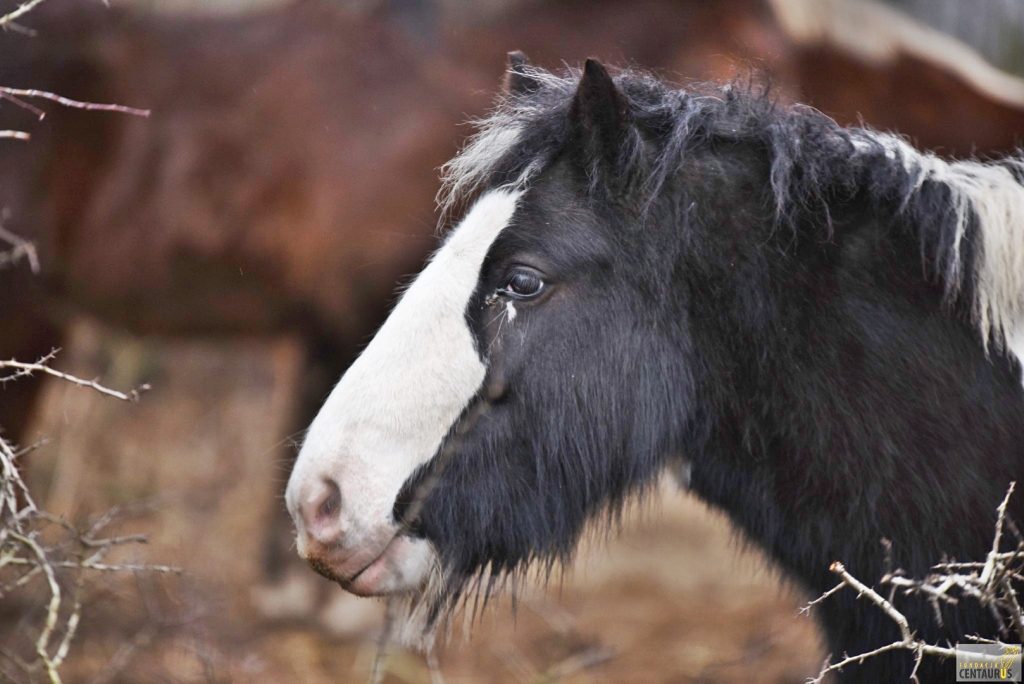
x: 19, y: 96
x: 19, y: 249
x: 16, y: 93
x: 44, y: 560
x: 40, y: 552
x: 7, y: 20
x: 23, y: 369
x: 990, y: 583
x: 36, y: 546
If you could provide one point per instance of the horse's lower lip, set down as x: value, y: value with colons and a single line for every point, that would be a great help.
x: 357, y: 575
x: 326, y: 562
x: 401, y: 565
x: 370, y: 580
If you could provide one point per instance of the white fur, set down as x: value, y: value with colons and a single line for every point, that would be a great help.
x: 394, y: 405
x: 496, y: 135
x: 1015, y: 344
x: 990, y: 193
x: 464, y: 173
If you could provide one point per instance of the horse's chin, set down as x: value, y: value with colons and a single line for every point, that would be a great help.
x: 402, y: 568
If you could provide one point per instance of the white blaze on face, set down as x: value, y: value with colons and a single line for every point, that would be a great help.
x: 394, y: 405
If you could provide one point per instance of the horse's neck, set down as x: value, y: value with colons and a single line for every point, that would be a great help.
x: 836, y: 424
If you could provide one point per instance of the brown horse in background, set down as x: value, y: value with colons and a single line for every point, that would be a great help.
x: 283, y: 181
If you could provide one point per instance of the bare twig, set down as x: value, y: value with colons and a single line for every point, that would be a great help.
x: 18, y: 96
x: 806, y: 610
x: 108, y: 567
x: 28, y: 106
x: 988, y: 571
x: 990, y: 583
x: 24, y: 557
x: 52, y: 608
x: 68, y: 102
x: 23, y: 369
x: 20, y: 249
x: 35, y: 545
x: 7, y: 20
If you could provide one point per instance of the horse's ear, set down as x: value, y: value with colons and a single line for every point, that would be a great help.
x: 517, y: 79
x: 599, y: 115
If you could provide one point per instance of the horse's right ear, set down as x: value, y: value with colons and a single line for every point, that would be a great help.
x: 600, y: 118
x: 517, y: 79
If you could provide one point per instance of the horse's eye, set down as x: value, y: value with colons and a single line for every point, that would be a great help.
x: 523, y: 284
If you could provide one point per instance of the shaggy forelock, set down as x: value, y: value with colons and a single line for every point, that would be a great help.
x: 500, y: 148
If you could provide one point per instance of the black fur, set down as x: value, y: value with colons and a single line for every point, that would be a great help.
x: 749, y: 289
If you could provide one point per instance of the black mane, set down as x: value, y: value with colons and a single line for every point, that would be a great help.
x: 815, y: 166
x: 814, y: 161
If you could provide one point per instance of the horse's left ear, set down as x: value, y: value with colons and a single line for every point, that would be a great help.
x: 517, y: 79
x: 600, y: 116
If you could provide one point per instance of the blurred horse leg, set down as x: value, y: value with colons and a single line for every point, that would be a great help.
x: 26, y: 334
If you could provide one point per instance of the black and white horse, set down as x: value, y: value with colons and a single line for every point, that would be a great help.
x: 820, y: 329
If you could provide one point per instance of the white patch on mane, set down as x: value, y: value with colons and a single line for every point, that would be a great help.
x: 496, y: 135
x: 464, y: 173
x: 989, y: 193
x: 394, y: 405
x: 1015, y: 344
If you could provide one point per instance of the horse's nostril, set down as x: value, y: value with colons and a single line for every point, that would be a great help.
x: 321, y: 512
x: 331, y: 502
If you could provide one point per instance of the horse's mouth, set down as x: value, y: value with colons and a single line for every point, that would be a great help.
x: 377, y: 576
x: 325, y: 563
x: 400, y: 566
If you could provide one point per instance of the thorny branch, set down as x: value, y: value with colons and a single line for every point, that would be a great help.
x: 19, y: 248
x: 20, y: 96
x: 989, y: 582
x: 45, y: 560
x: 35, y: 545
x: 22, y: 369
x: 15, y: 94
x: 7, y: 20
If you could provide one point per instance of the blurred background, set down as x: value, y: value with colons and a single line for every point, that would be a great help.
x: 235, y: 249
